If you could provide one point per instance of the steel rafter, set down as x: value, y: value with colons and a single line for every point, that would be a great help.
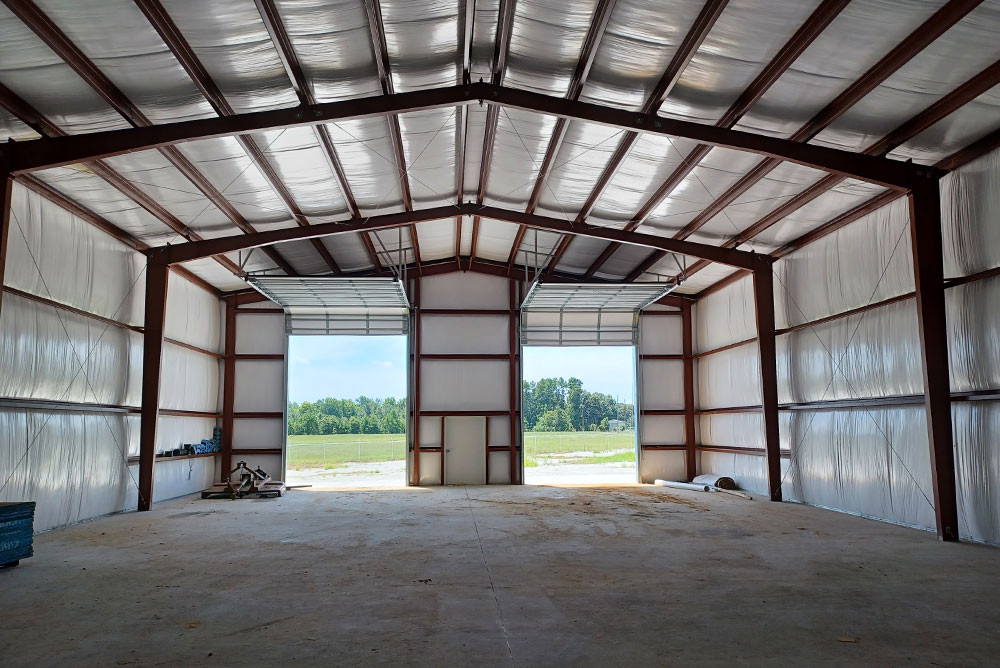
x: 381, y: 51
x: 501, y: 46
x: 44, y: 153
x: 982, y: 82
x: 462, y: 121
x: 43, y: 126
x: 699, y: 31
x: 185, y: 55
x: 193, y: 251
x: 598, y: 25
x: 803, y: 37
x: 913, y: 44
x: 62, y: 46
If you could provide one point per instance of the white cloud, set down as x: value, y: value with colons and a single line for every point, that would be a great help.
x: 382, y: 363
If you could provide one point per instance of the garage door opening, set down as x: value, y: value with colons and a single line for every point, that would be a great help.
x: 347, y: 377
x: 347, y: 408
x: 579, y: 380
x: 579, y: 417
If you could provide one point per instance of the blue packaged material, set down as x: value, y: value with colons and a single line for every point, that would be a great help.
x: 16, y: 531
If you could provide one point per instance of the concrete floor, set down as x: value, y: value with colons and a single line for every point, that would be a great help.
x: 498, y: 576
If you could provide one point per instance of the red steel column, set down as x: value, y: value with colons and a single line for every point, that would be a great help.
x: 416, y: 385
x: 512, y: 335
x: 763, y: 290
x: 228, y: 390
x: 928, y: 275
x: 6, y: 188
x: 157, y: 271
x: 690, y: 459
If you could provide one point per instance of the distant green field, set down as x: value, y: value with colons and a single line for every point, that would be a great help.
x: 336, y: 450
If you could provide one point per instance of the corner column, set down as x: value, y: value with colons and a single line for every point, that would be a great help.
x: 763, y: 291
x: 157, y: 271
x: 687, y: 336
x: 416, y: 387
x: 514, y: 389
x: 928, y: 278
x: 228, y: 391
x: 6, y: 188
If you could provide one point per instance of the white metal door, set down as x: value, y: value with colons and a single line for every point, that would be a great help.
x: 465, y: 450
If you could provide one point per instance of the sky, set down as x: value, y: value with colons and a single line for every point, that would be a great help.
x: 347, y: 367
x: 605, y: 369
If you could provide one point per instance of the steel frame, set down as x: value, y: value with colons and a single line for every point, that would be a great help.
x: 803, y: 37
x: 913, y: 44
x: 196, y: 250
x: 920, y: 183
x: 58, y: 151
x: 703, y: 24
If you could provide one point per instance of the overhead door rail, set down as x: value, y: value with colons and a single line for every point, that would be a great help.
x: 586, y: 314
x: 346, y: 306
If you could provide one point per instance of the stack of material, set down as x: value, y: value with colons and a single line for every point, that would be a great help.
x: 16, y: 530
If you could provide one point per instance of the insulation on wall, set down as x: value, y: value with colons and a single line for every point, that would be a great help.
x: 461, y: 392
x: 660, y: 388
x: 871, y: 461
x: 58, y: 448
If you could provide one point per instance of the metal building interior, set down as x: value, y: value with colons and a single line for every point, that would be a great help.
x: 790, y: 209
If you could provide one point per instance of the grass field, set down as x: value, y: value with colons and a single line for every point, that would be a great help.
x: 336, y: 450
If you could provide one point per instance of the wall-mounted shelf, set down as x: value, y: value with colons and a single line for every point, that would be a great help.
x: 160, y: 458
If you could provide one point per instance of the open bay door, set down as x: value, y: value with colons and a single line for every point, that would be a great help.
x: 586, y: 314
x: 351, y: 306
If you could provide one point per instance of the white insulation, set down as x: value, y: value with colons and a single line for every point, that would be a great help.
x: 870, y: 461
x: 74, y: 462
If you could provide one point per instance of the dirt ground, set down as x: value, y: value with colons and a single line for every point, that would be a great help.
x: 498, y: 576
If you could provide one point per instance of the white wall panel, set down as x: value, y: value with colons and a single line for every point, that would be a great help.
x: 464, y: 385
x: 430, y: 432
x: 865, y: 262
x: 464, y: 290
x: 173, y: 431
x: 188, y: 380
x: 450, y: 334
x: 48, y: 353
x: 970, y: 206
x: 259, y: 386
x: 662, y: 464
x: 661, y: 335
x: 662, y: 429
x: 258, y: 433
x: 71, y: 464
x: 662, y: 384
x: 499, y: 468
x: 730, y: 378
x: 725, y: 317
x: 499, y: 430
x: 872, y: 462
x: 872, y: 354
x: 54, y: 254
x: 430, y: 468
x: 974, y: 335
x: 193, y: 315
x: 977, y: 467
x: 260, y: 334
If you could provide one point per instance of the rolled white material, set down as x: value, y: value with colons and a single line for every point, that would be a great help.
x: 715, y: 480
x: 684, y: 485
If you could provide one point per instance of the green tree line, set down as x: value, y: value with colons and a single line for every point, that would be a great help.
x: 555, y: 404
x: 550, y: 404
x: 347, y: 416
